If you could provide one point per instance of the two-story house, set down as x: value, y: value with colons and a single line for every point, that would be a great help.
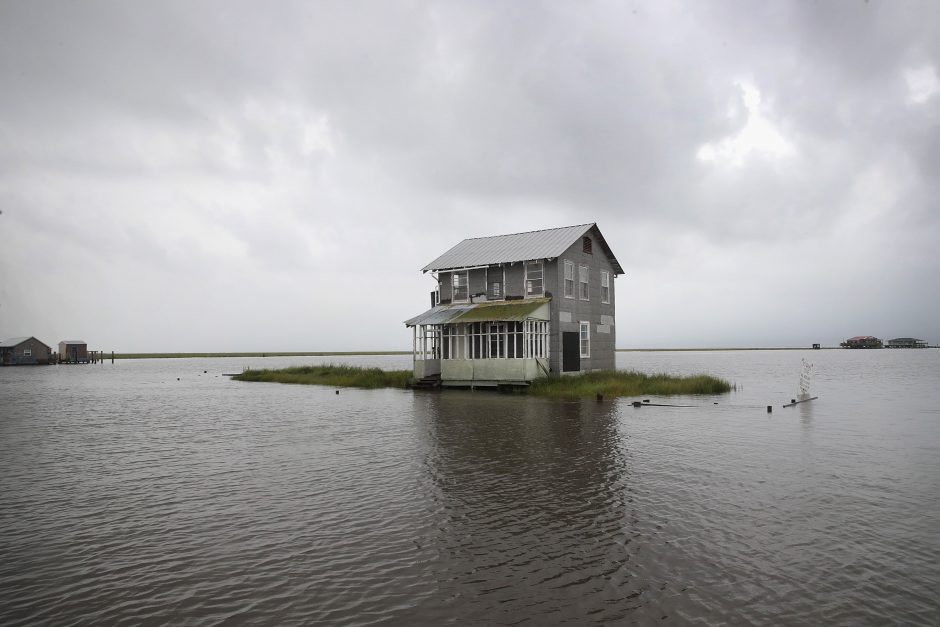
x: 511, y: 308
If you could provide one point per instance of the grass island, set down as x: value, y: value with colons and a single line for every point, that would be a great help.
x: 610, y: 384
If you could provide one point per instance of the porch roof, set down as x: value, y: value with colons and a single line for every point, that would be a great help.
x: 510, y: 310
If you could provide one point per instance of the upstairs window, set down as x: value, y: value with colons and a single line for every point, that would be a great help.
x: 583, y: 282
x: 461, y: 286
x: 494, y: 283
x: 605, y: 286
x: 587, y: 246
x: 533, y: 279
x: 27, y: 352
x: 569, y: 279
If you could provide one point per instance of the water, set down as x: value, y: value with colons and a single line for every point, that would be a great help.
x: 128, y: 496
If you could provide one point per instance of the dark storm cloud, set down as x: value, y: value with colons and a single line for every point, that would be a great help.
x: 252, y: 154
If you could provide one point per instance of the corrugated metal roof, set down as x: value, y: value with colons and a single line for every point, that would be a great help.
x: 517, y: 310
x: 482, y: 251
x: 439, y: 314
x: 480, y: 312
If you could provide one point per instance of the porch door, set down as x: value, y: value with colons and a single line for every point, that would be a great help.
x: 570, y: 351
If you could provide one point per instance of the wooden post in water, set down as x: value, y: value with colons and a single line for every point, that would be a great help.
x: 112, y: 357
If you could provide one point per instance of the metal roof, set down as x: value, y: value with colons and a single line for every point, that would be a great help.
x: 16, y: 341
x: 439, y: 314
x: 13, y: 341
x: 482, y: 312
x: 544, y: 244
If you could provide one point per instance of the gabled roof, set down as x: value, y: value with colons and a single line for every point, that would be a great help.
x: 13, y: 342
x: 544, y: 244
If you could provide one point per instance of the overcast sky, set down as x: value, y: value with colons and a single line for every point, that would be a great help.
x: 255, y: 176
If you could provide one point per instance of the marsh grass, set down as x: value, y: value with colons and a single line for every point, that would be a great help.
x: 613, y: 383
x: 610, y: 383
x: 332, y: 375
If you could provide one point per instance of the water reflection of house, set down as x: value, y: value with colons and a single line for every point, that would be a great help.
x: 862, y: 341
x: 21, y: 351
x: 907, y: 342
x: 511, y: 308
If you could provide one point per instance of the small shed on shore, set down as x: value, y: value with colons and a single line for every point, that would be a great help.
x: 24, y: 351
x: 73, y: 352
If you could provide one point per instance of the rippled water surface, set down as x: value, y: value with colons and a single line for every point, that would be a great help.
x: 160, y: 491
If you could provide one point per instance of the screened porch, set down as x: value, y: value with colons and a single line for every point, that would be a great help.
x: 488, y: 343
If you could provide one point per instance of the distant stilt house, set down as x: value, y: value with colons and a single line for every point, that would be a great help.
x: 862, y: 341
x: 907, y: 342
x: 512, y: 308
x: 73, y: 352
x: 22, y: 351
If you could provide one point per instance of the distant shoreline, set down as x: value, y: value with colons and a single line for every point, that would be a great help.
x: 759, y: 348
x: 267, y: 354
x: 107, y: 355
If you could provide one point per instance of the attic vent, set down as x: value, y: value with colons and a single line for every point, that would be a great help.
x: 586, y: 241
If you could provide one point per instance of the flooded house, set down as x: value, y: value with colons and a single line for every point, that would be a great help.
x: 508, y: 309
x: 862, y: 341
x: 23, y: 351
x: 906, y: 342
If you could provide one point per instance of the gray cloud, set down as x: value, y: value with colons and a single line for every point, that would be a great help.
x: 237, y: 176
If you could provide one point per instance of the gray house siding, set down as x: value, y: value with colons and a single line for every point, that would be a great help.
x: 551, y: 277
x: 568, y: 313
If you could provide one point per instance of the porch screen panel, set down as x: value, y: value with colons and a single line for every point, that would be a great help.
x: 427, y: 342
x: 536, y: 339
x: 497, y: 340
x: 453, y: 342
x: 477, y: 336
x: 514, y: 338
